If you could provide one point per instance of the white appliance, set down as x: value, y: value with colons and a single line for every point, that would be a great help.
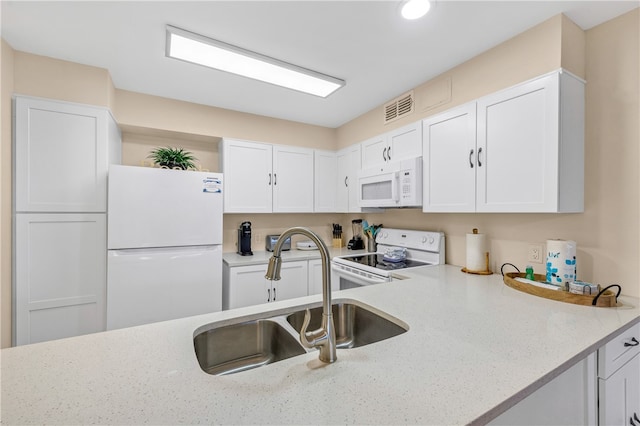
x: 164, y: 245
x: 395, y: 184
x: 420, y: 249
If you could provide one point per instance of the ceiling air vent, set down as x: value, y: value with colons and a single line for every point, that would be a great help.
x: 399, y: 107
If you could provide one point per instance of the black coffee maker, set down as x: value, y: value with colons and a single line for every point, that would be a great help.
x: 244, y: 239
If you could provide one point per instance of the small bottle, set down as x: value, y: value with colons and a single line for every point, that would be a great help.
x: 529, y: 273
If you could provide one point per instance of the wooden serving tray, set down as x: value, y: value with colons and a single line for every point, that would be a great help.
x: 606, y: 299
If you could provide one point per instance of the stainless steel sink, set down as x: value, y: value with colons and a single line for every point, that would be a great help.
x: 355, y: 325
x: 240, y: 347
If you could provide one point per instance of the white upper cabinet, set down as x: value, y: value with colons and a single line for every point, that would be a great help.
x: 265, y: 178
x: 522, y: 152
x: 248, y: 176
x: 62, y: 154
x: 405, y: 142
x: 325, y: 181
x: 449, y: 161
x: 292, y: 179
x: 347, y: 180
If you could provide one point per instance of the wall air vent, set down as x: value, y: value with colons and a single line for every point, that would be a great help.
x: 399, y: 107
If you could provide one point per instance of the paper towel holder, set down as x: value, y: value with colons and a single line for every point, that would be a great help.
x: 487, y: 270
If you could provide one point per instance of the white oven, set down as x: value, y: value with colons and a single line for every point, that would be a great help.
x: 420, y: 248
x: 396, y: 184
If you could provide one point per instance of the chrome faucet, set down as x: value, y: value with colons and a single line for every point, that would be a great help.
x: 323, y: 338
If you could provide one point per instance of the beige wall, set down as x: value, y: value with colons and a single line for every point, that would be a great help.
x: 6, y: 84
x: 529, y: 54
x: 53, y: 78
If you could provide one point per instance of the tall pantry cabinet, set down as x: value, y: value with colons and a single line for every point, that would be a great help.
x: 61, y: 156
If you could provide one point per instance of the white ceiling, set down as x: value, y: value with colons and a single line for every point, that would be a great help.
x: 366, y: 43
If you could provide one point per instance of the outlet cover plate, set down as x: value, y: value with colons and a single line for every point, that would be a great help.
x: 534, y: 253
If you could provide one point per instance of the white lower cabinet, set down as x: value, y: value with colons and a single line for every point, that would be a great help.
x: 246, y: 285
x: 569, y: 399
x: 315, y: 276
x: 619, y: 396
x: 619, y: 379
x: 61, y: 271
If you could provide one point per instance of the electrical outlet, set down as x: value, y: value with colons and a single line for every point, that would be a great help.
x: 534, y: 253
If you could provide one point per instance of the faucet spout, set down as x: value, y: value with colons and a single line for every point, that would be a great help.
x: 323, y: 338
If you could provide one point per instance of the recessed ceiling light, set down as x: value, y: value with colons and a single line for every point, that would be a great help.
x: 414, y: 9
x: 202, y: 50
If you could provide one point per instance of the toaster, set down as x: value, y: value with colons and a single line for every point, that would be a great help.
x: 271, y: 243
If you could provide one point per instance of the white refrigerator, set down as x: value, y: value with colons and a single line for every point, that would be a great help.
x: 164, y: 245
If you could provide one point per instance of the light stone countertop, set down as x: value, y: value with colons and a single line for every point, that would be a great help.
x: 475, y: 347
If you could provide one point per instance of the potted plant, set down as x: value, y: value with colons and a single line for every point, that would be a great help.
x: 173, y: 158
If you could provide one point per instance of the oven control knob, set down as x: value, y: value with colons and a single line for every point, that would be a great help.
x: 385, y: 235
x: 431, y: 240
x: 424, y: 239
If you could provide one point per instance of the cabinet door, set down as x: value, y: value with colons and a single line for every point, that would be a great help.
x: 347, y: 181
x: 248, y: 176
x: 247, y: 286
x: 620, y: 395
x: 292, y: 283
x: 315, y: 276
x: 61, y: 156
x: 60, y: 276
x: 374, y: 151
x: 405, y: 142
x: 449, y: 162
x: 517, y: 155
x: 569, y: 399
x: 325, y: 181
x: 292, y: 179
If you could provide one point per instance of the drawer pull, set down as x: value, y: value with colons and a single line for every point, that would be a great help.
x: 634, y: 342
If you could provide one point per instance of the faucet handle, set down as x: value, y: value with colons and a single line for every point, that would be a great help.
x: 311, y: 339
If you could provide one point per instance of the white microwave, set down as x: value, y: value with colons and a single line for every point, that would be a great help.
x: 395, y: 184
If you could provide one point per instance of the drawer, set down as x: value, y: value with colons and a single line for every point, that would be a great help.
x: 618, y: 351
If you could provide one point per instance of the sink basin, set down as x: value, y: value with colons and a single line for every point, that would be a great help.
x: 240, y: 347
x: 355, y: 325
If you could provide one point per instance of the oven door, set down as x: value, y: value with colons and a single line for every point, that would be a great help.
x: 343, y: 278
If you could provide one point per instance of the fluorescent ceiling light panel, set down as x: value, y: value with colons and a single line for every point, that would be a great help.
x: 414, y: 9
x: 201, y: 50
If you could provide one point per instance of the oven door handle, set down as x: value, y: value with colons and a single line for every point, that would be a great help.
x: 362, y: 278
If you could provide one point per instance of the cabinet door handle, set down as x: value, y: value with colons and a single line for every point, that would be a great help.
x: 479, y: 161
x: 274, y: 294
x: 470, y: 158
x: 269, y: 178
x: 384, y: 154
x: 275, y: 179
x: 346, y: 181
x: 389, y: 153
x: 268, y: 295
x: 634, y: 342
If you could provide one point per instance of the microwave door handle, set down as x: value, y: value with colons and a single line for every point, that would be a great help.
x: 395, y: 184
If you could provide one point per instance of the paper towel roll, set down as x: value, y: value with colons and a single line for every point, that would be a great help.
x: 476, y: 252
x: 561, y: 261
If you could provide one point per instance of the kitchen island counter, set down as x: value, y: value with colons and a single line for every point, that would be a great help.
x: 474, y: 348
